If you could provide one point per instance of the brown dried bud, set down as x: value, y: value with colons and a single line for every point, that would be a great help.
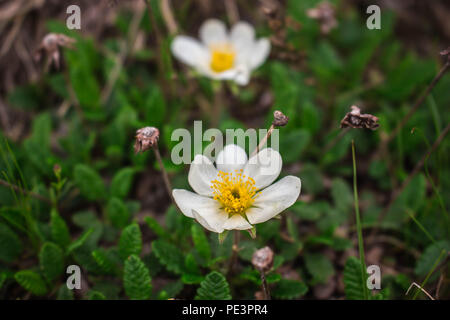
x: 354, y: 119
x: 279, y: 119
x: 50, y: 45
x: 446, y: 53
x: 263, y: 259
x: 146, y: 138
x: 324, y: 12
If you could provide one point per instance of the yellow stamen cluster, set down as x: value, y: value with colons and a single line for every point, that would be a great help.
x: 222, y: 58
x: 235, y: 192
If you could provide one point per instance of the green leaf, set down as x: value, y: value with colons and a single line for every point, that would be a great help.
x: 118, y: 213
x: 122, y: 182
x: 169, y: 255
x: 104, y: 261
x: 51, y: 259
x: 342, y: 195
x: 96, y: 295
x: 80, y: 241
x: 156, y: 227
x: 10, y: 244
x: 59, y: 230
x: 130, y: 241
x: 136, y: 279
x: 64, y: 293
x: 31, y: 281
x: 319, y: 266
x: 89, y: 182
x: 293, y: 144
x: 429, y: 257
x: 214, y: 287
x: 201, y: 242
x: 289, y: 289
x: 354, y: 286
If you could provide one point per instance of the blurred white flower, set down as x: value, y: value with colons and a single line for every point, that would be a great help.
x: 221, y: 55
x: 237, y: 193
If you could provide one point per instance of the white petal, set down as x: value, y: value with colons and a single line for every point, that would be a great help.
x: 259, y: 53
x: 213, y: 220
x: 213, y: 32
x: 242, y: 76
x: 189, y: 51
x: 236, y: 222
x: 231, y: 158
x: 264, y: 167
x: 242, y: 36
x: 201, y: 173
x: 274, y: 199
x: 187, y: 201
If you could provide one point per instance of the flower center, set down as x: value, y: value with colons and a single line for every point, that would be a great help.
x: 222, y: 58
x: 235, y: 192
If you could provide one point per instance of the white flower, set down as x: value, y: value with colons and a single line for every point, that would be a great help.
x: 223, y: 56
x: 239, y: 192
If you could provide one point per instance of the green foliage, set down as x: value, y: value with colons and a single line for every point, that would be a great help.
x: 122, y: 182
x: 136, y: 279
x: 51, y: 259
x: 10, y: 244
x: 201, y: 242
x: 289, y: 289
x: 31, y: 281
x: 214, y: 287
x: 59, y: 230
x: 118, y: 213
x: 354, y: 286
x: 429, y: 256
x: 104, y: 261
x: 169, y: 255
x: 89, y: 182
x: 130, y: 241
x: 320, y: 267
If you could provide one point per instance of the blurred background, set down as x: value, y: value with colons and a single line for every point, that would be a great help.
x: 72, y: 191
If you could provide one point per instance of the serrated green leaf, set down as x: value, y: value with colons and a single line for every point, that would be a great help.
x: 31, y: 281
x: 89, y: 182
x: 354, y: 286
x: 156, y: 227
x: 51, y: 259
x: 10, y: 244
x: 80, y: 241
x: 319, y: 266
x: 104, y: 261
x: 118, y: 213
x: 169, y: 255
x: 122, y: 182
x: 136, y: 279
x: 201, y: 242
x: 289, y: 289
x: 59, y: 230
x: 214, y: 287
x: 130, y: 241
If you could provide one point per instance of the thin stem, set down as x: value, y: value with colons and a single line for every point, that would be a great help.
x: 264, y: 140
x: 430, y: 273
x: 29, y: 193
x: 164, y: 172
x: 264, y: 285
x: 358, y: 225
x: 235, y: 251
x: 416, y: 106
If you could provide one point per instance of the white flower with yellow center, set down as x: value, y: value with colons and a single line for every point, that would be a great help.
x: 238, y: 192
x: 221, y: 55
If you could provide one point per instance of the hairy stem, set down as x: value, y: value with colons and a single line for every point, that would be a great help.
x: 234, y: 254
x: 167, y: 183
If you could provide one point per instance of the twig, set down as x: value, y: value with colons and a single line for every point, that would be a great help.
x: 264, y: 285
x: 30, y: 193
x: 422, y: 289
x: 167, y: 13
x: 405, y: 183
x: 232, y: 11
x: 418, y: 103
x: 264, y: 140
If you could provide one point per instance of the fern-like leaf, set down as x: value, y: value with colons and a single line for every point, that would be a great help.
x: 169, y: 255
x: 31, y: 281
x: 289, y: 289
x: 51, y: 259
x: 354, y: 287
x: 104, y: 261
x: 214, y: 287
x: 136, y: 279
x: 130, y: 241
x: 118, y: 213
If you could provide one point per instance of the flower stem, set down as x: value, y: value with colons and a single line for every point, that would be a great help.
x: 235, y: 249
x: 264, y: 285
x: 264, y: 140
x: 164, y: 173
x: 358, y: 226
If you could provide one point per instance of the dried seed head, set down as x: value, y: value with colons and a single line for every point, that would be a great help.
x: 263, y: 259
x: 146, y: 138
x: 325, y: 14
x: 279, y: 119
x: 354, y: 119
x: 50, y: 45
